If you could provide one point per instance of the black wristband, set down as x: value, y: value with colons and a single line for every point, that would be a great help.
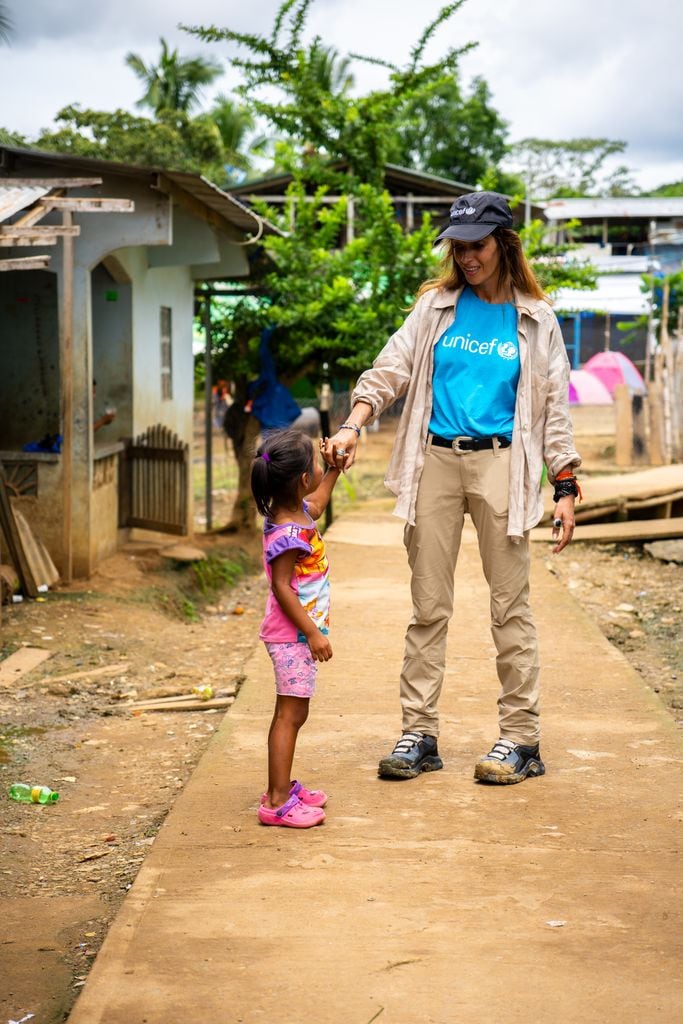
x: 565, y: 489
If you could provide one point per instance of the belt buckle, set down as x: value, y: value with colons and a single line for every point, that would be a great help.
x: 456, y: 444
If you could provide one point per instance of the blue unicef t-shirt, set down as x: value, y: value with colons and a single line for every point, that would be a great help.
x: 476, y: 370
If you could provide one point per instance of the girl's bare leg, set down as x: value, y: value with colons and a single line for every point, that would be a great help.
x: 290, y: 714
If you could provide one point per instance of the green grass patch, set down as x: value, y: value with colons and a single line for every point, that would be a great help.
x: 184, y: 590
x: 217, y: 573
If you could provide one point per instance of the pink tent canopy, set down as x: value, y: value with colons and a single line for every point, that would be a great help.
x: 587, y: 389
x: 614, y: 368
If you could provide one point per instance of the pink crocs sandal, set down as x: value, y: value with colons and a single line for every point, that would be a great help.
x: 311, y: 797
x: 292, y: 814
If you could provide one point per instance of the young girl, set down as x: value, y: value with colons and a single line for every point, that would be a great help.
x: 294, y: 629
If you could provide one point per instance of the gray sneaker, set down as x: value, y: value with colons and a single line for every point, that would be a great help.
x: 509, y: 762
x: 414, y: 753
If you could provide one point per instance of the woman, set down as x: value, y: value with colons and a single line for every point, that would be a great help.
x: 483, y: 369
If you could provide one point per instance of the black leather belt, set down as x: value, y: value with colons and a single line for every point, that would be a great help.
x: 469, y: 444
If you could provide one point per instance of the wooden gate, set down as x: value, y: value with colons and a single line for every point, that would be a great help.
x: 153, y: 482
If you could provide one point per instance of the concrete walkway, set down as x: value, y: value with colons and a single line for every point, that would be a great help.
x: 433, y: 901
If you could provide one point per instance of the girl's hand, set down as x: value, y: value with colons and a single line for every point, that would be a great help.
x: 320, y: 646
x: 563, y: 523
x: 339, y: 451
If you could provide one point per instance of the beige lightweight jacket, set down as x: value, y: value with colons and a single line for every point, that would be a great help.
x: 542, y: 429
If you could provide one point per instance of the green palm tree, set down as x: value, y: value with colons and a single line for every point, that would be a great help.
x: 5, y: 24
x: 236, y: 124
x: 175, y: 82
x: 330, y: 71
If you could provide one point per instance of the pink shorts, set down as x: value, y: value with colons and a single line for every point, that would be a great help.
x: 295, y: 669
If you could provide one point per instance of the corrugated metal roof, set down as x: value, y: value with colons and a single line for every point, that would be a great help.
x: 15, y: 198
x: 410, y: 176
x: 221, y: 202
x: 650, y: 208
x: 194, y: 184
x: 276, y: 183
x: 618, y: 294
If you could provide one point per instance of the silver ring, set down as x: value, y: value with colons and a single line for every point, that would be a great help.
x: 341, y: 451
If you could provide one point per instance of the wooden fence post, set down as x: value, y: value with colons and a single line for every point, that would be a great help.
x: 655, y: 424
x: 624, y: 424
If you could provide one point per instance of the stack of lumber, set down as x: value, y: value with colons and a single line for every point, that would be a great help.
x: 629, y: 498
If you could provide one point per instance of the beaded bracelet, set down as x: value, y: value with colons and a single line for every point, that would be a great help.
x: 350, y: 426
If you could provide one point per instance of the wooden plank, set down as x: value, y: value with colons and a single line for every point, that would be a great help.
x: 605, y: 533
x: 13, y: 540
x: 178, y: 698
x: 626, y: 489
x: 87, y: 204
x: 89, y: 673
x: 32, y: 217
x: 19, y: 243
x: 25, y: 263
x: 11, y: 182
x: 22, y: 661
x: 186, y: 705
x: 41, y: 231
x: 42, y: 567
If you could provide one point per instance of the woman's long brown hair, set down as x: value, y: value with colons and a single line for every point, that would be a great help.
x: 514, y: 270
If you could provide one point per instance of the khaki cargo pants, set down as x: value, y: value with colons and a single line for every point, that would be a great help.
x: 452, y: 484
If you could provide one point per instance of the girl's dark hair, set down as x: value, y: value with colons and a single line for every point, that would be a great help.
x: 280, y: 461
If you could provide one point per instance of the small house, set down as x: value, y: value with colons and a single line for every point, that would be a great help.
x: 99, y: 263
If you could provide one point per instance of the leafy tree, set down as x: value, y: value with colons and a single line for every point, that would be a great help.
x: 570, y: 167
x: 671, y: 189
x: 450, y: 133
x: 174, y: 140
x: 316, y: 118
x: 174, y: 84
x: 552, y: 263
x: 9, y: 138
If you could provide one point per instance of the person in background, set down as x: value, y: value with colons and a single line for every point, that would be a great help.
x: 291, y: 492
x: 483, y: 369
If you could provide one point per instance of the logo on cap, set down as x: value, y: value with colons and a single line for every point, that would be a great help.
x: 468, y: 210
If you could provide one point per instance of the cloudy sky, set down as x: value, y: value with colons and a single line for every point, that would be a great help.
x: 603, y: 68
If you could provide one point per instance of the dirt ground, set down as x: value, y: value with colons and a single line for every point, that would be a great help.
x: 159, y: 629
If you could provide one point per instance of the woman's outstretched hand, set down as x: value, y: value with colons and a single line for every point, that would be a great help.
x: 339, y: 451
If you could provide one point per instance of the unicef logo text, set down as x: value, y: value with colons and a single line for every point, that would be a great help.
x: 469, y: 210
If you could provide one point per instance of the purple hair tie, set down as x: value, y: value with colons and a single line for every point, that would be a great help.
x: 266, y: 456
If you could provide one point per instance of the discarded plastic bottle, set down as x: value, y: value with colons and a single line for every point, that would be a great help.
x: 32, y: 794
x: 204, y: 692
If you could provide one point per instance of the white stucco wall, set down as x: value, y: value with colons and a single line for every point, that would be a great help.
x: 152, y: 288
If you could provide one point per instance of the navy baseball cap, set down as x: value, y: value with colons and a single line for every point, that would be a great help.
x: 475, y: 216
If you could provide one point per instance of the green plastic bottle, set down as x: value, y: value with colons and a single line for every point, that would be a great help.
x: 32, y: 794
